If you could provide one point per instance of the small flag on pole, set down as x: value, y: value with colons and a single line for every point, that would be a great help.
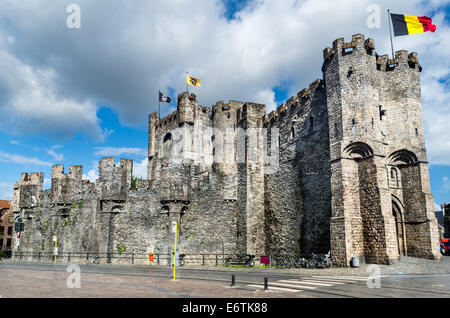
x: 163, y: 98
x: 192, y: 80
x: 407, y: 24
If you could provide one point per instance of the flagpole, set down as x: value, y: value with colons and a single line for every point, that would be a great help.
x: 390, y: 33
x: 187, y: 86
x: 159, y: 103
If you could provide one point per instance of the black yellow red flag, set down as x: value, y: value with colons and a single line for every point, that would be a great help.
x: 408, y: 24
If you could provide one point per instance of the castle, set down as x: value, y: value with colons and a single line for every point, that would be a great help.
x: 342, y: 166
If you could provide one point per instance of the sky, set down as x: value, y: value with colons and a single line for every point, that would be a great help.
x: 74, y: 95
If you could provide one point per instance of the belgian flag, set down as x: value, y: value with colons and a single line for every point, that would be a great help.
x: 408, y: 24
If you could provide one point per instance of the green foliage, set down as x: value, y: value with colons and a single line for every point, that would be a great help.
x: 43, y: 245
x: 220, y: 176
x: 121, y: 248
x: 77, y: 205
x: 134, y: 183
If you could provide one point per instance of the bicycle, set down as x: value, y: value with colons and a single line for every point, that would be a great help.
x: 320, y: 261
x: 181, y: 259
x: 313, y: 262
x: 250, y: 260
x: 94, y: 260
x: 326, y: 261
x: 303, y: 262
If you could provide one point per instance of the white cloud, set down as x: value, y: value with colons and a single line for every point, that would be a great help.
x: 437, y: 207
x: 56, y: 156
x: 118, y: 151
x: 6, y: 191
x: 92, y: 175
x: 54, y: 77
x: 22, y: 160
x: 140, y: 169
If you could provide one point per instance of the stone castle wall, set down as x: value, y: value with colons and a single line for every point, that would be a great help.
x: 341, y: 166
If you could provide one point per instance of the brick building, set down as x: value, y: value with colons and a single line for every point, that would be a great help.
x: 6, y: 226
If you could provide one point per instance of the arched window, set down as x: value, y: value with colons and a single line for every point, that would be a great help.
x: 165, y: 209
x: 358, y: 150
x: 167, y: 137
x: 403, y: 157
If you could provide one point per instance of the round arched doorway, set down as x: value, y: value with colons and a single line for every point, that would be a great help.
x: 399, y: 227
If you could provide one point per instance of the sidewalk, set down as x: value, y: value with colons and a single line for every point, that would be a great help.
x: 406, y: 265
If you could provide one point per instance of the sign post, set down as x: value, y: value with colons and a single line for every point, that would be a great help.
x: 174, y: 229
x: 55, y: 250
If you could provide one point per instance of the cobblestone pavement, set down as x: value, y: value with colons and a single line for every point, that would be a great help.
x: 411, y: 277
x: 407, y: 265
x: 49, y: 283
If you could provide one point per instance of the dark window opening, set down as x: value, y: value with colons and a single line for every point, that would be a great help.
x: 311, y: 122
x: 167, y: 137
x: 10, y: 230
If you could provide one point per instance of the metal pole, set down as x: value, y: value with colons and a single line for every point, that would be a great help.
x: 56, y: 243
x: 223, y: 253
x: 390, y: 33
x: 159, y: 103
x: 187, y: 86
x: 232, y: 280
x: 266, y: 283
x: 175, y: 252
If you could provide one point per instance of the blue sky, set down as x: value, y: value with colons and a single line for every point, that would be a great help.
x: 101, y: 81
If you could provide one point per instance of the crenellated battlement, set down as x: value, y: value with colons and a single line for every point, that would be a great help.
x: 69, y: 188
x: 359, y: 46
x: 295, y: 104
x: 114, y: 182
x: 34, y: 178
x: 66, y: 188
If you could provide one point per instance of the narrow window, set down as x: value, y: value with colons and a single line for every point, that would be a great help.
x: 167, y: 137
x: 292, y: 133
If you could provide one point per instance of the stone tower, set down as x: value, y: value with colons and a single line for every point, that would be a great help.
x: 382, y: 207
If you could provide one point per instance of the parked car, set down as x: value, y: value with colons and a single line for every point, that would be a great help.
x: 445, y: 246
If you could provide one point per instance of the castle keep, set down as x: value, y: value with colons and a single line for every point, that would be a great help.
x: 342, y: 166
